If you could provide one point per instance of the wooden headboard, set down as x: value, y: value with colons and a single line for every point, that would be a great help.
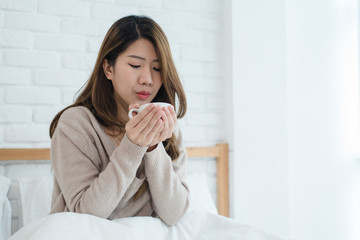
x: 220, y: 152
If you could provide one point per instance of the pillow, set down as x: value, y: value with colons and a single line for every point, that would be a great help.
x: 5, y: 209
x: 35, y: 196
x: 200, y: 197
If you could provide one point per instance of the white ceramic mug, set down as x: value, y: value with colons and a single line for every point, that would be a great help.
x: 142, y: 107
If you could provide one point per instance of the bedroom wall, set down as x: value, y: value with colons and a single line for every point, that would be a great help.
x: 296, y: 133
x: 48, y: 48
x: 259, y: 113
x: 324, y: 134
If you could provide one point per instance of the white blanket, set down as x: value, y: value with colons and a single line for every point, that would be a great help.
x: 194, y: 225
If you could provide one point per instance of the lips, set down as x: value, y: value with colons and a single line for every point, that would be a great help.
x: 143, y: 94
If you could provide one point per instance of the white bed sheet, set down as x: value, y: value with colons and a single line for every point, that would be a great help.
x: 194, y: 225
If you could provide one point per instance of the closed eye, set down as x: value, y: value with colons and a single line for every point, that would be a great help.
x: 134, y: 66
x: 156, y: 69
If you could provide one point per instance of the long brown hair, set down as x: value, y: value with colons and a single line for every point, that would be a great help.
x: 98, y: 93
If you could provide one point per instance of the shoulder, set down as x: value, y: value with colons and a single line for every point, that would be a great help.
x: 78, y: 112
x: 76, y: 133
x: 78, y: 118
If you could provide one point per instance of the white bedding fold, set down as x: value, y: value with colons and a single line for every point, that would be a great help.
x: 5, y: 208
x: 194, y: 225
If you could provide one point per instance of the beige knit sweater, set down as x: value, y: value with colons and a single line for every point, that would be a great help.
x: 93, y: 176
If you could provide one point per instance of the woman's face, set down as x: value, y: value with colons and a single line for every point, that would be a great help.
x: 136, y: 73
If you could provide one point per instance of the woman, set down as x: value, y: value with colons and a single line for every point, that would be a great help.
x: 107, y: 165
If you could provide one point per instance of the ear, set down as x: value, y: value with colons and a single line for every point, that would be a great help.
x: 108, y: 69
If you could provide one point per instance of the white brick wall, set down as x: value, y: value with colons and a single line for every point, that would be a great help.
x: 15, y: 39
x: 32, y: 59
x: 60, y: 42
x: 48, y: 49
x: 1, y: 19
x: 1, y: 97
x: 20, y: 5
x: 32, y: 21
x: 32, y: 96
x: 64, y: 8
x: 14, y: 76
x: 15, y: 114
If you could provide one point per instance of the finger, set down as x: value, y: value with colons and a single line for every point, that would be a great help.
x: 173, y: 117
x: 165, y: 131
x: 147, y: 123
x: 133, y: 105
x: 151, y: 123
x: 170, y: 113
x: 133, y: 126
x: 173, y: 114
x: 139, y: 117
x: 140, y: 133
x: 153, y: 135
x: 156, y: 139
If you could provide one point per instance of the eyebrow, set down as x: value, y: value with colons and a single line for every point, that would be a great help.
x: 141, y: 58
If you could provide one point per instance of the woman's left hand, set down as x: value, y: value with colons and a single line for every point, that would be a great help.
x: 169, y: 119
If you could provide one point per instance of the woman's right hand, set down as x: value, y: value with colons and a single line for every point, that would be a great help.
x: 142, y: 128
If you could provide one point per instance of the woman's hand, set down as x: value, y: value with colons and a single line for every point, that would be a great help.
x: 169, y: 119
x: 151, y: 126
x: 142, y: 128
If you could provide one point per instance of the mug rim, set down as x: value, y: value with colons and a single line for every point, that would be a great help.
x: 137, y: 110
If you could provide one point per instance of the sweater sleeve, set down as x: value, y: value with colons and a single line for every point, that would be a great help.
x: 87, y: 188
x: 166, y: 180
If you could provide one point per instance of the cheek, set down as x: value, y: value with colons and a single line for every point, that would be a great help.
x: 158, y: 84
x: 157, y: 79
x: 124, y: 78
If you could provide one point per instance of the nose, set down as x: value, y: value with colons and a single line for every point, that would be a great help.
x: 145, y: 77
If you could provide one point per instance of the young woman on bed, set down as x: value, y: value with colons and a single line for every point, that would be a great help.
x: 112, y: 167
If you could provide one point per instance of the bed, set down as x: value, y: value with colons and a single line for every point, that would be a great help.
x: 26, y: 179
